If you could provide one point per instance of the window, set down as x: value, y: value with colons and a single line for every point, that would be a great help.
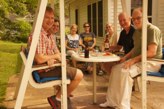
x: 138, y: 3
x: 95, y: 17
x: 150, y: 10
x: 76, y: 16
x: 89, y: 14
x: 100, y: 19
x: 94, y: 25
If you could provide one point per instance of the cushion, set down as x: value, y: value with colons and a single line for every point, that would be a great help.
x: 157, y: 74
x: 38, y: 79
x: 161, y: 71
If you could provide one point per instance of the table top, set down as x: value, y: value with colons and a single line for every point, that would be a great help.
x: 96, y: 57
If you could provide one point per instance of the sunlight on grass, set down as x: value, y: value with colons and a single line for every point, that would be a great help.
x: 10, y: 63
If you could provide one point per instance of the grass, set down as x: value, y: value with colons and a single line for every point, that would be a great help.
x: 10, y: 64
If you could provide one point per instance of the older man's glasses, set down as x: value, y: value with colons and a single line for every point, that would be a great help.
x: 86, y: 26
x: 137, y: 18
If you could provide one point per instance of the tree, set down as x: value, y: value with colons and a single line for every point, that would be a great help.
x: 14, y: 23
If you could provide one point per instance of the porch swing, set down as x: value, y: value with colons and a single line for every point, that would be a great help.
x: 28, y: 68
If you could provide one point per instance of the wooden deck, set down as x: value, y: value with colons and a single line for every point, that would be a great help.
x: 36, y: 98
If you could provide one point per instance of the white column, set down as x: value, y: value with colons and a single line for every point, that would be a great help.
x: 115, y: 16
x: 126, y: 6
x: 30, y: 58
x: 62, y: 33
x: 144, y: 55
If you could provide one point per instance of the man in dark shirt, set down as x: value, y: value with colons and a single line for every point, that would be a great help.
x: 125, y: 41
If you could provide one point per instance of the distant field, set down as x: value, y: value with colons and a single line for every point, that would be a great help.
x: 10, y: 63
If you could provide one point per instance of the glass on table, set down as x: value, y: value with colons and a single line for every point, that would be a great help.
x: 94, y: 52
x: 80, y: 50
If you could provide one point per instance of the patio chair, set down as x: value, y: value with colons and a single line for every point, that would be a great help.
x: 152, y: 76
x: 157, y: 76
x: 34, y: 79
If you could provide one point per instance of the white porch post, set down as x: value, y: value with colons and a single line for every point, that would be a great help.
x: 62, y: 33
x: 124, y: 6
x: 144, y: 55
x: 28, y: 66
x: 115, y: 17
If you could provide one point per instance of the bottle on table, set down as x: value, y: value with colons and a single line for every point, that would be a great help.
x: 86, y: 51
x: 106, y: 43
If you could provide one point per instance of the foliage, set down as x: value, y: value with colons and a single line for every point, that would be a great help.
x: 3, y: 8
x: 24, y: 28
x: 31, y: 5
x: 18, y: 31
x: 10, y: 64
x: 56, y: 8
x: 11, y: 11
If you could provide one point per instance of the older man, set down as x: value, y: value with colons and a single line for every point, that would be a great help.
x: 47, y: 52
x: 120, y: 81
x: 125, y: 41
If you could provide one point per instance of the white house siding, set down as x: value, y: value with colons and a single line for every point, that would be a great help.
x: 160, y: 16
x: 82, y: 11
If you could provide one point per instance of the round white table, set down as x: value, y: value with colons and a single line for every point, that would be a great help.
x: 95, y: 57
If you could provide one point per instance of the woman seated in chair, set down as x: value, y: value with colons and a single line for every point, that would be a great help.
x: 72, y: 41
x: 88, y: 41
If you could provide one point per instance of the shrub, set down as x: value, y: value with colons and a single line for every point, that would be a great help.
x: 24, y: 29
x: 18, y: 31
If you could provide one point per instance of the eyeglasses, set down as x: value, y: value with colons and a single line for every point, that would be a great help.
x: 137, y: 18
x: 86, y: 26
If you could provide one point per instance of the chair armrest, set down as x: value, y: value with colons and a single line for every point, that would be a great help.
x: 158, y: 61
x: 44, y: 66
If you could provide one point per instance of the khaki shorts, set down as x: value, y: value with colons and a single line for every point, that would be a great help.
x: 56, y: 72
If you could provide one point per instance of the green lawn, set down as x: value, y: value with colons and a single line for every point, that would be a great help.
x: 10, y: 63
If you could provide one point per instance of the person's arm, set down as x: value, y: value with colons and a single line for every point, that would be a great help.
x: 115, y: 48
x: 126, y: 57
x: 151, y: 52
x: 81, y: 43
x: 41, y: 58
x: 93, y: 45
x: 102, y: 47
x: 119, y: 44
x: 66, y: 44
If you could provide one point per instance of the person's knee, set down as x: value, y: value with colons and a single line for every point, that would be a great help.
x: 116, y: 67
x: 79, y: 75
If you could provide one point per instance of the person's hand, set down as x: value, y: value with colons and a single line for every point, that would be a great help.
x: 58, y: 57
x: 123, y: 59
x: 128, y: 64
x: 75, y: 49
x: 50, y: 62
x: 90, y: 48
